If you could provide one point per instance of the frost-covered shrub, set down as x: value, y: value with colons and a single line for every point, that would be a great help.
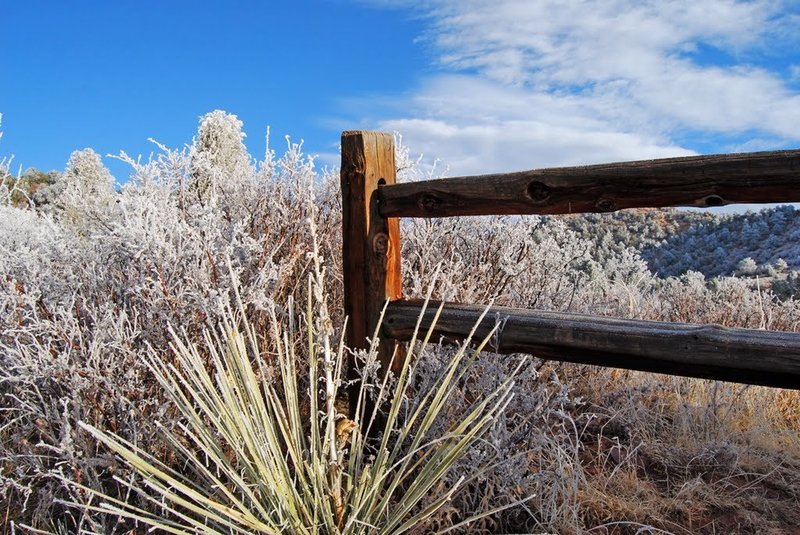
x: 89, y: 284
x: 519, y: 261
x: 84, y: 194
x: 746, y: 266
x: 93, y: 276
x: 218, y: 160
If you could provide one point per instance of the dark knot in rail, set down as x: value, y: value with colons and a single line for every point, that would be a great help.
x: 604, y: 204
x: 539, y: 191
x: 429, y: 203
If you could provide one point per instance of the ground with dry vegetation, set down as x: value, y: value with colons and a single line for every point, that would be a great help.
x: 92, y: 276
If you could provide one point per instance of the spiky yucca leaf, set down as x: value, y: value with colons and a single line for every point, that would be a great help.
x: 268, y: 456
x: 254, y: 462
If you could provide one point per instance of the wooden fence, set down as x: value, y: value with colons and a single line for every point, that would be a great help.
x: 372, y: 202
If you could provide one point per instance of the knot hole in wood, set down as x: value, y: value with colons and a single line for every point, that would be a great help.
x: 539, y: 191
x: 380, y: 243
x: 428, y: 202
x: 606, y: 205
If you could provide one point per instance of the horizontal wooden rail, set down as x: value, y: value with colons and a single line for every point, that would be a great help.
x: 750, y: 356
x: 701, y: 181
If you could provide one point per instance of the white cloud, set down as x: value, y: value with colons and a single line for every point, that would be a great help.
x: 552, y: 82
x: 478, y: 126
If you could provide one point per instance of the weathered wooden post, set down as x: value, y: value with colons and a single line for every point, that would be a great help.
x: 371, y: 248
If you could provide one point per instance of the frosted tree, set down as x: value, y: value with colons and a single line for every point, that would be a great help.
x: 219, y: 158
x: 86, y: 174
x: 84, y: 194
x: 746, y: 266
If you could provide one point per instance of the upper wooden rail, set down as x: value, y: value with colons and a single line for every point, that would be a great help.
x: 707, y: 351
x: 701, y: 181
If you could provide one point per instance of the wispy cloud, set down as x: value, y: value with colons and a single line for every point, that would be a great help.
x: 536, y: 83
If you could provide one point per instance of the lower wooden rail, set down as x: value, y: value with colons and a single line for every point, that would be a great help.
x: 750, y: 356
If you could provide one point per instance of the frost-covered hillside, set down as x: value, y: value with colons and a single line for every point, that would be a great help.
x: 673, y: 241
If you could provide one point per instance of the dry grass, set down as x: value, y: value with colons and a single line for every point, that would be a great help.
x: 687, y: 456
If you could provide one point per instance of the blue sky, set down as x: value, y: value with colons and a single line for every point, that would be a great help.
x: 483, y: 86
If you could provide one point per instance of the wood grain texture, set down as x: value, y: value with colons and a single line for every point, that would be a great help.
x: 701, y: 181
x: 707, y: 351
x: 371, y: 243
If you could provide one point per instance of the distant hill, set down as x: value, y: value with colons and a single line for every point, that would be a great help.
x: 673, y: 241
x: 719, y: 245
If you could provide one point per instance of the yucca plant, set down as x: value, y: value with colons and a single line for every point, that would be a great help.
x: 261, y: 453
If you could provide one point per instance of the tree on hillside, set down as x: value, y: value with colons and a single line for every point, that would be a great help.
x: 746, y: 266
x: 29, y: 189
